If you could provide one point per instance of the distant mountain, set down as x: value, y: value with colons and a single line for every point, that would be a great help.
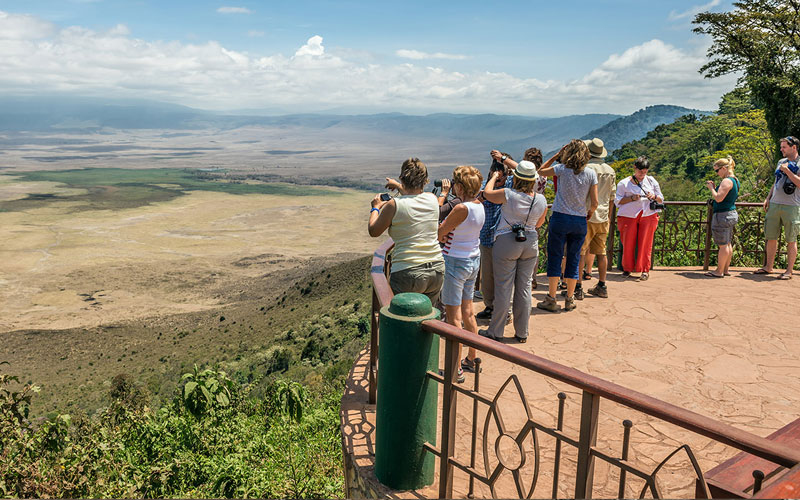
x: 635, y: 126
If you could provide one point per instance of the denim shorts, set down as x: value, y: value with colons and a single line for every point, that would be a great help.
x: 459, y: 279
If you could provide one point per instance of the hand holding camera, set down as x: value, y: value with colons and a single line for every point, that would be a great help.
x: 378, y: 201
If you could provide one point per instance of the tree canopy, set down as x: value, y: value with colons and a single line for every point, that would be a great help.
x: 761, y: 39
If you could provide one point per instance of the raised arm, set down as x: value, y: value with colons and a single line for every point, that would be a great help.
x: 498, y: 195
x: 724, y: 187
x: 381, y: 219
x: 547, y: 169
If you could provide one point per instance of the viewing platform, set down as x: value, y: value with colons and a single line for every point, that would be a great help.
x: 681, y: 386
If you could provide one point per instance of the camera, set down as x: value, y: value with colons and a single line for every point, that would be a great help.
x: 654, y: 205
x: 385, y: 197
x: 519, y: 232
x: 789, y: 186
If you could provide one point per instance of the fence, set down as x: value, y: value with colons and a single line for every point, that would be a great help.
x: 593, y: 391
x: 683, y: 237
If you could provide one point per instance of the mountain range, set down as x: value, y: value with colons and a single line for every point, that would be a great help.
x: 472, y: 134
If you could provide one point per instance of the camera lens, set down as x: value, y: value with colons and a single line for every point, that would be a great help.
x: 437, y: 183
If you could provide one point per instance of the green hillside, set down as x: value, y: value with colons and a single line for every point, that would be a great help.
x: 681, y: 153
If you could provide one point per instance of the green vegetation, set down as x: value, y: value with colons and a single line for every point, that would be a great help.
x: 240, y: 402
x: 118, y: 188
x: 760, y: 39
x: 283, y: 443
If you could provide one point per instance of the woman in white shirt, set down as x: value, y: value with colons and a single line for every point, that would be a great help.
x: 636, y: 220
x: 460, y: 234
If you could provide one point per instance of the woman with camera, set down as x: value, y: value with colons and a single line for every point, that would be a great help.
x: 459, y: 233
x: 725, y: 216
x: 516, y: 247
x: 639, y: 201
x: 567, y: 228
x: 413, y: 221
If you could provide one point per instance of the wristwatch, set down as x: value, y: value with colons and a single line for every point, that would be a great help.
x: 503, y: 158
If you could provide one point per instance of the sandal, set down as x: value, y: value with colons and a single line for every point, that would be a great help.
x: 587, y: 276
x: 784, y: 276
x: 643, y: 277
x: 712, y: 275
x: 761, y: 270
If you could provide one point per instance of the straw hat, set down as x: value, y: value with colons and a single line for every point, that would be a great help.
x: 526, y: 171
x: 596, y: 148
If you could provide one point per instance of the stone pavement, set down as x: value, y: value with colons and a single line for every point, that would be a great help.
x: 725, y: 348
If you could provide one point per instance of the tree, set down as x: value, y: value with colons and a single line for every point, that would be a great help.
x: 760, y: 38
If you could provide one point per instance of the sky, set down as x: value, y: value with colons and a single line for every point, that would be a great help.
x: 533, y: 58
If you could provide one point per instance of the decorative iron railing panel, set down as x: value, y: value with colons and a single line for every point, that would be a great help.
x: 496, y: 450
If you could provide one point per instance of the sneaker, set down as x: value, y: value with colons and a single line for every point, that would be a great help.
x: 643, y: 277
x: 485, y: 314
x: 570, y: 304
x: 578, y: 293
x: 468, y: 365
x: 598, y: 291
x: 477, y: 295
x: 484, y: 332
x: 548, y: 304
x: 626, y: 273
x: 461, y: 378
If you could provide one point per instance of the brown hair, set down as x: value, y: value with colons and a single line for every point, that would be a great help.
x: 413, y: 174
x: 727, y: 163
x: 523, y: 185
x: 470, y: 180
x: 575, y: 156
x: 533, y: 155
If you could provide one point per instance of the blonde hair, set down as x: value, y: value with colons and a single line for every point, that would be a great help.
x: 413, y: 174
x: 470, y: 180
x: 727, y: 163
x: 522, y: 185
x: 575, y: 156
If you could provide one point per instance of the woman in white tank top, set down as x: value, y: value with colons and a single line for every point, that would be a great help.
x: 460, y: 234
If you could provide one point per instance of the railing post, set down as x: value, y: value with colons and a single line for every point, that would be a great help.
x: 451, y: 360
x: 590, y: 408
x: 707, y: 256
x: 405, y: 416
x: 373, y: 349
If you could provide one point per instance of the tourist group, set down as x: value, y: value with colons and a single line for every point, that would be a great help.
x: 443, y: 241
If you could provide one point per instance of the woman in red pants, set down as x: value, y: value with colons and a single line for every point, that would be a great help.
x: 636, y: 220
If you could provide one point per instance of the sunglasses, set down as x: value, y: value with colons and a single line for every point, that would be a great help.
x: 791, y: 140
x: 718, y: 169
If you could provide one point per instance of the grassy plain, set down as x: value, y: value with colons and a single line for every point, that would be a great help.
x: 105, y: 271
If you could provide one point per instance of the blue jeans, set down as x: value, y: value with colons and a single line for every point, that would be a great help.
x: 569, y: 230
x: 459, y: 279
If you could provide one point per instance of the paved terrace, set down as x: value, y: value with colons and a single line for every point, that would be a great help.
x: 726, y: 348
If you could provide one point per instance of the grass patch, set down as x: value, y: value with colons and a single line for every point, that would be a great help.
x: 117, y: 189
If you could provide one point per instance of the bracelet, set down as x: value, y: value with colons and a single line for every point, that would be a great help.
x: 374, y: 210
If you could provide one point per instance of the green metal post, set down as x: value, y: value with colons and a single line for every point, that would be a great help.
x: 407, y: 399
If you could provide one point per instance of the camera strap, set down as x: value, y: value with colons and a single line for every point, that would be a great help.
x: 636, y: 181
x: 527, y: 216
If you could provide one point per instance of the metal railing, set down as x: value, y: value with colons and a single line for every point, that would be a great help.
x: 683, y: 236
x: 593, y: 390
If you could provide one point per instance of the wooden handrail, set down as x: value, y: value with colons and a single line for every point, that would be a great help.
x: 687, y: 419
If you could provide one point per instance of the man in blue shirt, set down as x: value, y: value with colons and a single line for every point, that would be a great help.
x: 492, y: 212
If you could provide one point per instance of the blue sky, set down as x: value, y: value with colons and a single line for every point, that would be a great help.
x: 525, y: 57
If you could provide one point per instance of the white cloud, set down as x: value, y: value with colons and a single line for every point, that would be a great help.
x: 255, y: 33
x: 23, y: 27
x: 234, y: 10
x: 417, y: 55
x: 675, y: 16
x: 40, y: 58
x: 313, y: 47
